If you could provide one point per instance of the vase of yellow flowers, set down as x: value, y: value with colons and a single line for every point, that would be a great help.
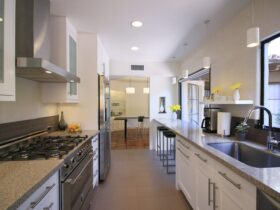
x: 174, y: 109
x: 236, y: 94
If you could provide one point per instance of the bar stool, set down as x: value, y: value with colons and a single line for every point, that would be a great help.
x: 169, y: 151
x: 160, y: 129
x: 140, y: 126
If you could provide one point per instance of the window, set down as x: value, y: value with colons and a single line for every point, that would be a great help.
x: 270, y: 77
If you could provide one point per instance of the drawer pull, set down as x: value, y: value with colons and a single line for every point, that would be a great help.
x: 201, y: 158
x: 224, y: 175
x: 186, y: 156
x: 49, y: 207
x: 42, y: 196
x: 187, y: 147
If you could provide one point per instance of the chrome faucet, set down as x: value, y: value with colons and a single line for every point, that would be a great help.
x: 271, y: 141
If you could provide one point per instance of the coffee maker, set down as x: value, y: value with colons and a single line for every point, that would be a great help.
x: 209, y: 123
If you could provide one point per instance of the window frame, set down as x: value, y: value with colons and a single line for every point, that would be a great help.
x: 262, y: 92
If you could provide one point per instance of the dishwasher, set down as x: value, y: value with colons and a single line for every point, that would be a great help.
x: 266, y: 202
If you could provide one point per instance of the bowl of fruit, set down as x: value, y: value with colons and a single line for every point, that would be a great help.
x: 74, y: 128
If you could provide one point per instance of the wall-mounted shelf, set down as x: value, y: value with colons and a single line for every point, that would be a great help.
x: 239, y: 102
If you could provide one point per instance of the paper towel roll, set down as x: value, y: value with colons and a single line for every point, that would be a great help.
x: 224, y: 120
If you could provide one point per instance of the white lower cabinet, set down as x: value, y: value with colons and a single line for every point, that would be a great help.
x: 208, y: 185
x: 46, y: 197
x: 184, y: 169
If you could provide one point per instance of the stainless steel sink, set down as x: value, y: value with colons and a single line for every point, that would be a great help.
x: 247, y: 154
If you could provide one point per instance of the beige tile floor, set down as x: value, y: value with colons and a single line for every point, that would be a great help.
x: 137, y: 181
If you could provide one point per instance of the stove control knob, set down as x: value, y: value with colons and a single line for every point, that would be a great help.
x: 72, y: 160
x: 66, y: 165
x: 80, y: 153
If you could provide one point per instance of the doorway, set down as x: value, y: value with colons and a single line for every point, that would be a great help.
x: 129, y: 112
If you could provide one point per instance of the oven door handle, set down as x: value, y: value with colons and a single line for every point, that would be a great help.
x: 73, y: 181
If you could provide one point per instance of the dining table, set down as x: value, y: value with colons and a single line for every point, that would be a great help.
x: 125, y: 119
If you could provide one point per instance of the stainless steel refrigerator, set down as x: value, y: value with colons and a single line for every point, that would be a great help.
x: 104, y: 127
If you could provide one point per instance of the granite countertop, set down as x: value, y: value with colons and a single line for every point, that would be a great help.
x: 19, y: 179
x: 266, y: 179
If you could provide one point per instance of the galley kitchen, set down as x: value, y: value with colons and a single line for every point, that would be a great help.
x: 129, y: 105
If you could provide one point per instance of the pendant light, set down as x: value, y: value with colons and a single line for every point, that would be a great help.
x: 174, y: 80
x: 186, y: 73
x: 206, y: 60
x: 253, y: 34
x: 146, y: 90
x: 130, y: 89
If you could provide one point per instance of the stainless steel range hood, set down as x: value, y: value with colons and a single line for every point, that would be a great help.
x: 33, y: 44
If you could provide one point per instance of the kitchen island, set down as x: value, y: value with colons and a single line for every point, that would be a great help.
x: 265, y: 179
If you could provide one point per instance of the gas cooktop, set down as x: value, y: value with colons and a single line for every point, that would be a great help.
x: 43, y: 147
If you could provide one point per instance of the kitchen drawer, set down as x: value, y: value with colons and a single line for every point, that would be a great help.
x: 183, y: 144
x: 46, y: 196
x: 235, y: 184
x: 203, y: 159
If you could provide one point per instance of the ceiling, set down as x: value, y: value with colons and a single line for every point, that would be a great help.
x: 171, y: 28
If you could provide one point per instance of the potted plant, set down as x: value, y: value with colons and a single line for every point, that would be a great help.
x: 241, y: 130
x: 174, y: 109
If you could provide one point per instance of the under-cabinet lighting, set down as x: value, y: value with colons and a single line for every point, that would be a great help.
x: 1, y: 19
x: 48, y: 72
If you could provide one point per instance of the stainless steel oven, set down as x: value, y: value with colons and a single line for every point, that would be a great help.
x: 77, y: 188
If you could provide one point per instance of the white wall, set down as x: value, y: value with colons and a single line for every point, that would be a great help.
x: 231, y: 60
x: 28, y: 103
x: 135, y: 104
x: 86, y: 111
x: 161, y: 87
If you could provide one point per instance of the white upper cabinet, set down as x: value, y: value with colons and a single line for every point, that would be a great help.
x: 7, y: 50
x: 63, y: 54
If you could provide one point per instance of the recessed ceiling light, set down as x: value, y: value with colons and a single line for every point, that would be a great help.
x: 48, y: 72
x: 136, y: 24
x: 134, y: 48
x: 1, y: 19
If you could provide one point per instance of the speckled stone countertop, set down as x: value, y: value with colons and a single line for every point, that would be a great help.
x: 266, y: 179
x: 19, y: 179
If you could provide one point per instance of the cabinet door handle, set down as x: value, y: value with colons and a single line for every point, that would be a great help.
x: 186, y: 156
x: 214, y: 196
x: 201, y: 158
x: 209, y: 191
x: 42, y: 196
x: 225, y: 176
x: 49, y: 207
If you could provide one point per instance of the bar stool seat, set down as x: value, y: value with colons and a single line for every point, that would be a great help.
x: 160, y: 129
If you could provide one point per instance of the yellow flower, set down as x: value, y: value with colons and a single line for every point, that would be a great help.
x: 216, y: 90
x: 235, y: 86
x: 175, y: 107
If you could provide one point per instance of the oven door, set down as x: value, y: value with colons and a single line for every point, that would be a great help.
x: 78, y: 186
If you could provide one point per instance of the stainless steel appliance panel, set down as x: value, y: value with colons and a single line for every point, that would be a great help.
x: 104, y: 127
x: 76, y: 187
